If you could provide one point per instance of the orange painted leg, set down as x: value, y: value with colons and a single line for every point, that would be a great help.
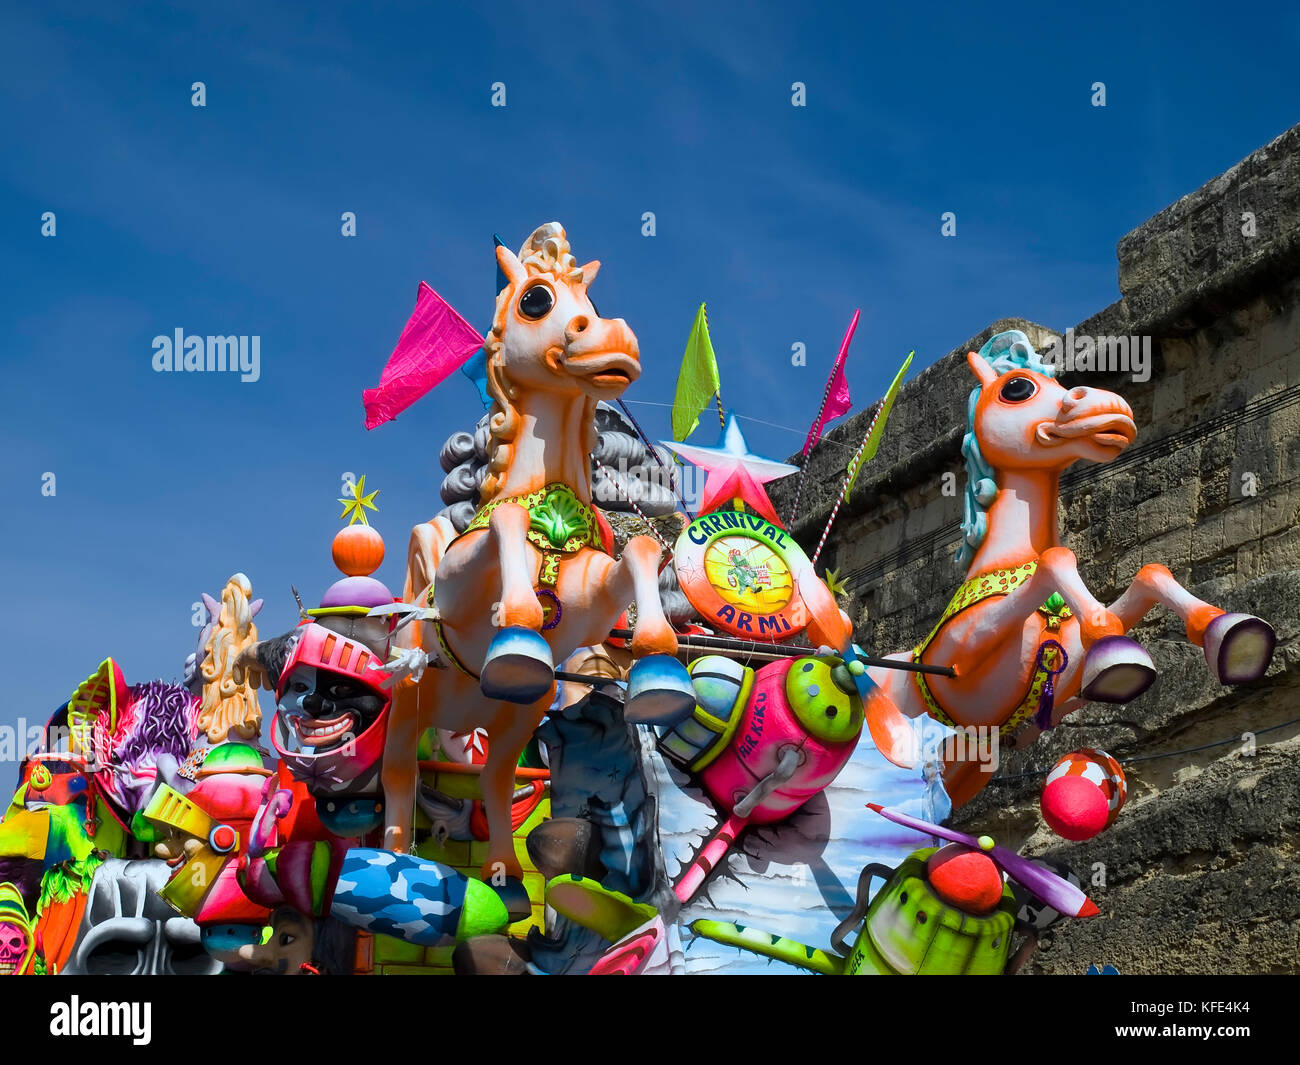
x: 1059, y: 568
x: 1153, y: 585
x: 1238, y: 647
x: 639, y: 568
x: 508, y: 526
x: 509, y: 732
x: 400, y: 773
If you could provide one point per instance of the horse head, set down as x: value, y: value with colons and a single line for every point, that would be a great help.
x: 1019, y: 418
x: 547, y: 335
x: 548, y: 345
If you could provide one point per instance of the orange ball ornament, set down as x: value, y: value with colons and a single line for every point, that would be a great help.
x: 358, y: 550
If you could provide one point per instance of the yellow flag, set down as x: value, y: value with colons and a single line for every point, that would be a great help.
x: 697, y: 381
x: 876, y: 430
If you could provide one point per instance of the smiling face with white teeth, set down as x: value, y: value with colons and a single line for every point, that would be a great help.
x: 325, y: 710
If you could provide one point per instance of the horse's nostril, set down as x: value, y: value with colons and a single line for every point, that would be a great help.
x: 579, y: 324
x: 1078, y: 393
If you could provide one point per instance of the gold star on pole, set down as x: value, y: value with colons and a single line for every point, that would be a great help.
x: 834, y: 584
x: 356, y: 505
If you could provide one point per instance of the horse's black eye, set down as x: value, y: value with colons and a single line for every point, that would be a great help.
x: 1018, y: 389
x: 536, y: 302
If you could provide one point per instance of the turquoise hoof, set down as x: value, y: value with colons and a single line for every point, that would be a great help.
x: 518, y: 667
x: 659, y: 692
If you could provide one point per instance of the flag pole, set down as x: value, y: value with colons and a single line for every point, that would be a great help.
x: 860, y: 456
x: 814, y: 434
x: 839, y: 500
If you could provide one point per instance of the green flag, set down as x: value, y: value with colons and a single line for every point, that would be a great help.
x: 697, y: 381
x: 876, y: 430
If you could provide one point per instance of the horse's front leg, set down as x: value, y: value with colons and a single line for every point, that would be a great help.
x: 1238, y: 647
x: 1058, y: 570
x: 517, y: 666
x: 1116, y: 669
x: 508, y: 528
x: 659, y: 689
x: 634, y: 578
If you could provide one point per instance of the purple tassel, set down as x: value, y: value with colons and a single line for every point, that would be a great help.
x: 1043, y: 715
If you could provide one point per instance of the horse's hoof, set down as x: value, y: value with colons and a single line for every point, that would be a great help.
x: 561, y: 845
x: 518, y: 667
x: 1117, y: 669
x: 659, y: 692
x: 491, y: 956
x: 1239, y: 647
x: 514, y: 896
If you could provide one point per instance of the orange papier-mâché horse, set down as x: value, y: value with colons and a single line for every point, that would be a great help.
x: 532, y: 577
x: 1029, y: 641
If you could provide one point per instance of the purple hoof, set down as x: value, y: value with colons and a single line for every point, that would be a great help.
x: 1117, y: 669
x: 1239, y: 648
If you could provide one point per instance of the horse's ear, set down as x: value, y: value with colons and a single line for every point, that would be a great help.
x: 511, y: 266
x: 589, y: 271
x: 254, y: 607
x: 980, y: 368
x: 214, y: 608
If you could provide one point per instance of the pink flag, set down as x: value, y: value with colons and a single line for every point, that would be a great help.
x: 835, y: 401
x: 435, y: 343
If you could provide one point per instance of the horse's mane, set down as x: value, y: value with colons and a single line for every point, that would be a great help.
x: 1004, y: 352
x: 545, y: 252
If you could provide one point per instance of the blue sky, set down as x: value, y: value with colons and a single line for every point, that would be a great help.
x: 225, y: 220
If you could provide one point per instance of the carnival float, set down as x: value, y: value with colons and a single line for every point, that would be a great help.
x: 594, y: 729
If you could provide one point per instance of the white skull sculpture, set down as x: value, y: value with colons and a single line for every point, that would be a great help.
x: 128, y: 930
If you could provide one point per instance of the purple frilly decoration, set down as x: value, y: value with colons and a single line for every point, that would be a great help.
x: 1047, y: 698
x: 164, y: 723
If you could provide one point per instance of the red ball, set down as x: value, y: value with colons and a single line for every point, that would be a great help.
x: 223, y: 838
x: 965, y: 878
x: 1075, y: 808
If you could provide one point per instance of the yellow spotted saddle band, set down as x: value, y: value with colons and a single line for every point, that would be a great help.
x: 976, y: 590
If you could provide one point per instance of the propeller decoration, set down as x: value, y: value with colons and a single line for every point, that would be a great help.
x: 1054, y: 890
x: 858, y: 671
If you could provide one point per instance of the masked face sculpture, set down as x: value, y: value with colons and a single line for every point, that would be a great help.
x: 331, y: 711
x: 127, y: 930
x: 325, y: 708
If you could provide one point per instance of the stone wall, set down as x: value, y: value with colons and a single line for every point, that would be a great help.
x: 1199, y: 869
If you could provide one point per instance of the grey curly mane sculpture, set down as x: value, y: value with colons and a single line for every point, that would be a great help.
x: 623, y: 472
